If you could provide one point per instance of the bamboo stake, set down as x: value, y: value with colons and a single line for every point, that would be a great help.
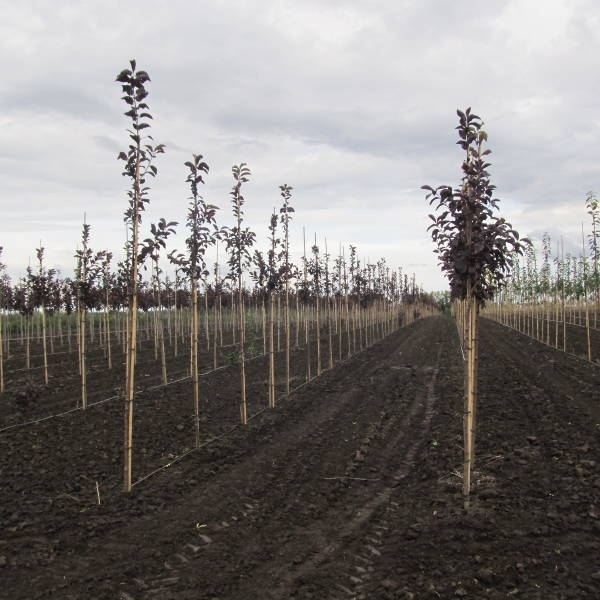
x: 327, y: 299
x: 216, y: 308
x: 45, y: 351
x: 243, y: 404
x: 194, y: 359
x: 206, y: 327
x: 287, y: 331
x: 564, y: 319
x: 263, y: 316
x: 474, y: 377
x: 84, y: 401
x: 215, y: 332
x: 132, y: 331
x: 161, y: 331
x: 338, y: 312
x: 108, y: 340
x: 220, y: 320
x: 318, y: 323
x: 175, y: 318
x: 278, y: 323
x: 271, y: 352
x: 306, y: 328
x: 1, y: 353
x: 155, y: 333
x: 298, y: 320
x: 585, y: 294
x: 467, y: 418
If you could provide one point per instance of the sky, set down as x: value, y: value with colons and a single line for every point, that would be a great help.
x: 351, y: 103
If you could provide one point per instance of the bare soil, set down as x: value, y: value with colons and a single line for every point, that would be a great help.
x: 350, y: 488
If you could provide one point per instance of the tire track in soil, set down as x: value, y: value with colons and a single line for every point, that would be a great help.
x: 267, y: 499
x: 372, y: 519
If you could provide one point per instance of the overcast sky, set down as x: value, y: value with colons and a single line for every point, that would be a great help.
x: 351, y: 103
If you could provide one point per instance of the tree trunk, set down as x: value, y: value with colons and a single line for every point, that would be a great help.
x: 1, y: 355
x: 272, y: 399
x: 132, y: 338
x: 287, y: 336
x: 45, y: 351
x: 470, y: 399
x: 242, y: 336
x: 194, y: 362
x: 108, y: 340
x: 318, y: 327
x: 83, y: 366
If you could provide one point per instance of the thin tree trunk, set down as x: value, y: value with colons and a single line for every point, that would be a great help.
x: 338, y: 312
x: 206, y: 326
x: 84, y: 399
x: 156, y: 336
x: 51, y: 334
x: 287, y: 335
x: 132, y: 338
x: 307, y: 341
x: 278, y: 322
x: 78, y: 331
x: 330, y: 341
x: 298, y: 321
x: 175, y: 320
x: 468, y: 423
x: 161, y: 331
x: 263, y: 313
x: 318, y: 327
x: 243, y: 404
x: 1, y: 355
x: 215, y: 330
x: 108, y: 338
x: 130, y: 386
x: 220, y: 321
x: 347, y: 325
x: 194, y: 361
x: 45, y: 352
x: 272, y: 399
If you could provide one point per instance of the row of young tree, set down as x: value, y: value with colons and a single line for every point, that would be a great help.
x: 550, y: 289
x: 105, y: 287
x: 363, y: 298
x: 94, y: 319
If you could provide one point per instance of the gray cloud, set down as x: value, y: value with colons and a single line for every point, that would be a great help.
x: 56, y: 100
x: 351, y: 103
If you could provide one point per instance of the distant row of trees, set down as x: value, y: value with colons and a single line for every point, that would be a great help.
x: 100, y: 287
x: 547, y: 271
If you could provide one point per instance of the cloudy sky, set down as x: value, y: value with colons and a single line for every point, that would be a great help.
x: 352, y: 103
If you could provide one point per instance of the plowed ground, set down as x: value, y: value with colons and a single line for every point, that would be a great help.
x: 349, y: 489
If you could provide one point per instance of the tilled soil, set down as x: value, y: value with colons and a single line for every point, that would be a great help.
x: 349, y: 489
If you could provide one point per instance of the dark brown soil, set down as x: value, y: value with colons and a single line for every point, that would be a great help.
x: 349, y: 489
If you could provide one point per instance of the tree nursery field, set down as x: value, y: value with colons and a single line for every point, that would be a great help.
x: 349, y: 488
x: 258, y: 429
